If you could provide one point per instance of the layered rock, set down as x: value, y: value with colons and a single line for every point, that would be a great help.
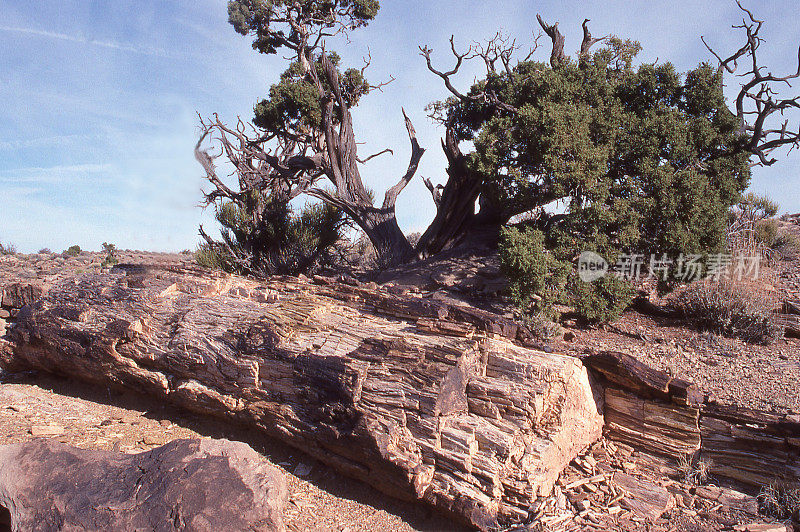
x: 421, y: 399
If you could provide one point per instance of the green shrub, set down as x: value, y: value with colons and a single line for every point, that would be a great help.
x: 538, y: 279
x: 72, y: 251
x: 45, y: 251
x: 767, y: 232
x: 263, y: 236
x: 601, y: 301
x: 111, y: 255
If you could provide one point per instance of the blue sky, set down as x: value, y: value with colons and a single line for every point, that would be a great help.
x: 100, y: 100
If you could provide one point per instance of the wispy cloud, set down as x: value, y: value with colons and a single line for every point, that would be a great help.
x: 40, y: 141
x: 53, y: 174
x: 123, y: 47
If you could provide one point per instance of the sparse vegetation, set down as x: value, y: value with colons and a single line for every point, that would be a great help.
x: 111, y: 255
x: 743, y: 308
x: 781, y: 501
x: 72, y: 251
x: 45, y: 251
x: 694, y: 471
x: 261, y: 237
x: 7, y: 249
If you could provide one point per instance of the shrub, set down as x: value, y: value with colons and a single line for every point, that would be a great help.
x: 538, y: 279
x: 45, y: 251
x: 780, y: 501
x: 602, y: 301
x: 7, y: 249
x: 72, y: 251
x: 767, y: 232
x: 111, y: 255
x: 787, y: 244
x: 743, y: 309
x: 263, y: 236
x: 694, y: 472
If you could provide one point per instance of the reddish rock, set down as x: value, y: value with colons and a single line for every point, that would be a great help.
x: 203, y: 485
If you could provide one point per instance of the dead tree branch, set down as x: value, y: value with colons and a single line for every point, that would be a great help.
x: 758, y: 99
x: 557, y: 56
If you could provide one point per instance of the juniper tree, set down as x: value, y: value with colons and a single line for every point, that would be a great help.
x: 599, y: 154
x: 302, y: 133
x: 634, y: 157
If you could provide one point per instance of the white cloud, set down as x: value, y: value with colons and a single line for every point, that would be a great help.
x: 143, y: 50
x: 52, y: 174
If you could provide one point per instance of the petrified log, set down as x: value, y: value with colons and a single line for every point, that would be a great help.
x: 647, y: 409
x: 203, y: 485
x: 420, y: 399
x: 751, y: 448
x: 790, y: 324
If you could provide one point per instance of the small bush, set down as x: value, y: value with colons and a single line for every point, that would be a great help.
x: 543, y: 328
x: 7, y: 249
x: 694, y: 472
x: 602, y: 301
x: 45, y: 251
x: 263, y: 236
x: 538, y: 280
x: 767, y: 232
x: 787, y: 244
x: 743, y: 309
x: 72, y: 251
x: 780, y: 501
x: 111, y: 255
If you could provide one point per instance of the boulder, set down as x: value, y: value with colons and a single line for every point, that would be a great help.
x: 419, y: 398
x: 203, y: 485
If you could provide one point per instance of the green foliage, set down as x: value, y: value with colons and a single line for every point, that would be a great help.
x: 266, y: 19
x: 45, y: 251
x: 72, y: 251
x: 538, y: 279
x: 756, y: 207
x: 294, y: 102
x: 601, y: 301
x: 767, y: 232
x: 640, y: 159
x: 263, y: 236
x: 111, y: 255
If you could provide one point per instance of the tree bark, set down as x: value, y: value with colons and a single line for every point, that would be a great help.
x: 455, y: 212
x: 420, y: 399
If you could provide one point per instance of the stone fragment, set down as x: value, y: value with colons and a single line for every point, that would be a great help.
x: 643, y: 497
x: 202, y: 485
x: 47, y: 430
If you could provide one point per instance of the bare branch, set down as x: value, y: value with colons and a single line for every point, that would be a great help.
x: 757, y: 100
x: 490, y: 55
x: 588, y: 41
x: 436, y: 191
x: 416, y: 154
x: 426, y: 53
x: 557, y: 56
x: 363, y: 161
